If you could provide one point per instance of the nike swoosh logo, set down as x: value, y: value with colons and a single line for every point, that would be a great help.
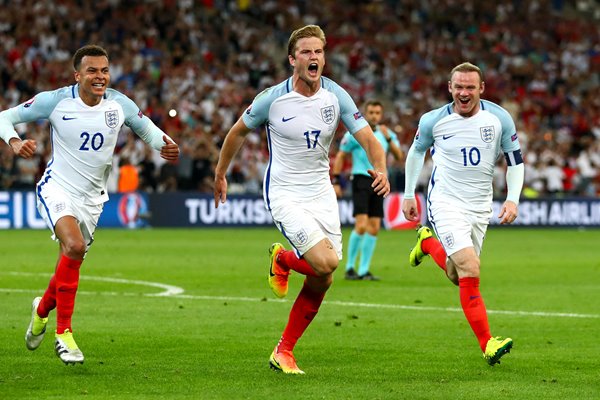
x: 65, y: 118
x: 445, y: 137
x: 271, y: 274
x: 284, y: 119
x: 474, y: 297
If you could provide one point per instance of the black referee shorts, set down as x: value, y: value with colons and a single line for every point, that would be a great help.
x: 364, y: 199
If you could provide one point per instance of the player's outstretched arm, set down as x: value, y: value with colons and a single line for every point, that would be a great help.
x: 232, y: 144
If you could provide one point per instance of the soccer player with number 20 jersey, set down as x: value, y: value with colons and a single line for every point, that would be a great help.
x: 85, y: 120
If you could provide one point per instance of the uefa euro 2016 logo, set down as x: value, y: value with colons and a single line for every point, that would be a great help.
x: 132, y: 210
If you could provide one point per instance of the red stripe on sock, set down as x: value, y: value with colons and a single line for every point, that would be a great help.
x: 474, y: 309
x: 434, y: 248
x: 303, y: 312
x: 288, y: 259
x: 67, y: 281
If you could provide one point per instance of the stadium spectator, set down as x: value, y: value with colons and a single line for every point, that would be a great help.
x: 459, y: 199
x: 72, y: 191
x: 205, y: 60
x: 129, y: 177
x: 554, y: 176
x: 588, y: 170
x: 368, y: 206
x: 298, y: 191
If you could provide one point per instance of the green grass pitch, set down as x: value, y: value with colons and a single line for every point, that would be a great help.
x: 404, y: 337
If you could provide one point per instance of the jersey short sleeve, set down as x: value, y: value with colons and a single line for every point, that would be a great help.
x: 134, y: 118
x: 424, y: 136
x: 258, y: 112
x: 509, y: 141
x: 42, y: 105
x: 350, y: 115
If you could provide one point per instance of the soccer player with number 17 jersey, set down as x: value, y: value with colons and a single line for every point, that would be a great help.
x: 301, y: 115
x: 466, y: 137
x: 85, y: 120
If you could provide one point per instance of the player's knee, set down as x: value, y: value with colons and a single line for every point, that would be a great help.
x: 470, y: 269
x: 74, y: 249
x: 373, y: 231
x: 326, y: 265
x: 360, y: 228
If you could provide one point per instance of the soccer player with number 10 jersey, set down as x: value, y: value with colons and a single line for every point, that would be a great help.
x: 465, y: 137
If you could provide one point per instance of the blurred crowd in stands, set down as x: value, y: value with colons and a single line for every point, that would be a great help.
x: 193, y: 66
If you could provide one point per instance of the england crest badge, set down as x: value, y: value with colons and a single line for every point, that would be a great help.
x: 111, y: 118
x: 328, y: 114
x: 487, y: 133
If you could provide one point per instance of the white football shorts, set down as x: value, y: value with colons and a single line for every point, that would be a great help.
x: 53, y: 203
x: 457, y: 228
x: 304, y: 223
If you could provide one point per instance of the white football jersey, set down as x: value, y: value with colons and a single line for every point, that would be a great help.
x: 299, y: 132
x: 84, y: 138
x: 465, y: 151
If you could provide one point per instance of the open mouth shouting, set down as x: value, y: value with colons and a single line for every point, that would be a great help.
x: 313, y: 69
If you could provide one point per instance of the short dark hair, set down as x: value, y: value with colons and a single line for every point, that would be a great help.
x: 373, y: 102
x: 88, y: 50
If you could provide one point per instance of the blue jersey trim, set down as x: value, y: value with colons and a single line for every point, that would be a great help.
x: 268, y: 172
x: 41, y: 199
